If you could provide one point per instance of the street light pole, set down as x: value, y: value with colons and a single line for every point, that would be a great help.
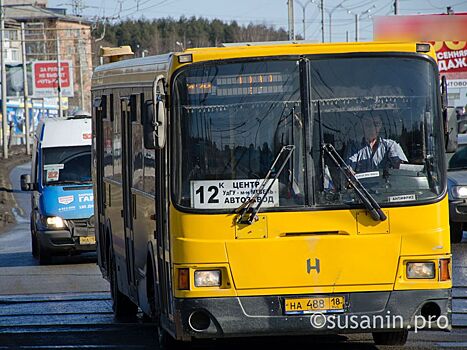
x: 330, y: 18
x: 303, y: 15
x: 322, y: 21
x: 59, y: 70
x: 291, y: 20
x: 357, y: 17
x: 3, y: 73
x: 25, y: 90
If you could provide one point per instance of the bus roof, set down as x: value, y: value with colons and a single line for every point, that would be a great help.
x: 65, y: 132
x: 143, y: 70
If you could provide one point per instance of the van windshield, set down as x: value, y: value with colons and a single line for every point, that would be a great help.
x: 66, y: 165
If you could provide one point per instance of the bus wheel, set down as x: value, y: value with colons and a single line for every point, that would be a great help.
x: 166, y: 341
x: 122, y: 306
x: 390, y: 338
x: 456, y: 232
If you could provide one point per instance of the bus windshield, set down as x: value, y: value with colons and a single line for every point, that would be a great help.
x: 66, y: 165
x: 232, y: 120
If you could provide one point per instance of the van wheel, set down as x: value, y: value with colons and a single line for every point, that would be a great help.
x: 42, y: 255
x: 456, y: 231
x: 33, y: 242
x: 390, y: 338
x: 122, y: 306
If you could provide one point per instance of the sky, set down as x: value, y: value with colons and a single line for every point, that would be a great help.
x: 268, y: 12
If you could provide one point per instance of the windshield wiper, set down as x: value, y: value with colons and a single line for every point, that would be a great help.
x: 370, y: 203
x: 246, y: 214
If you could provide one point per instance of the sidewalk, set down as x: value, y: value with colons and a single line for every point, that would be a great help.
x: 17, y: 155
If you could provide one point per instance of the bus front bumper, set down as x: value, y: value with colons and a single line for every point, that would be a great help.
x: 263, y: 316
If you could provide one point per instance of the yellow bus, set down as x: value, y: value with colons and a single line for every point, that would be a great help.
x: 274, y: 189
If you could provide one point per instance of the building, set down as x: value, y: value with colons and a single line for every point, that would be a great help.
x: 50, y: 31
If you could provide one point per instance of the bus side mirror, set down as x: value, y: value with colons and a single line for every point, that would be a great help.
x: 160, y: 127
x: 26, y: 184
x: 450, y: 119
x: 149, y: 125
x: 161, y: 124
x: 451, y: 126
x: 444, y: 93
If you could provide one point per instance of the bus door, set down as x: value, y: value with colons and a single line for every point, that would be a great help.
x: 162, y: 234
x: 100, y: 106
x: 128, y: 200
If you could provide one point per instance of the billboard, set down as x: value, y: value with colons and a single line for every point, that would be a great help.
x: 45, y: 78
x: 447, y: 33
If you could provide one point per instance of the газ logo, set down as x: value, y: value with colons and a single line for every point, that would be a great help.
x: 85, y: 197
x: 66, y: 199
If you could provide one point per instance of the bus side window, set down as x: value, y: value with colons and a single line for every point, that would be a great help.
x: 149, y: 161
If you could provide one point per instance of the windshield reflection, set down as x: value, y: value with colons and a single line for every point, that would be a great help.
x: 232, y: 120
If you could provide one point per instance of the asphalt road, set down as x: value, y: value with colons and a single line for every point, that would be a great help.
x: 67, y: 305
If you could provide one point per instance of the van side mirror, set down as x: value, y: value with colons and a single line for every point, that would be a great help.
x: 26, y: 184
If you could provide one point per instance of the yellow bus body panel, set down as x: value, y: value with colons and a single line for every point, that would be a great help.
x: 352, y: 255
x: 222, y: 53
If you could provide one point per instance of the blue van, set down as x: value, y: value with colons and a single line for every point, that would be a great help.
x: 62, y: 203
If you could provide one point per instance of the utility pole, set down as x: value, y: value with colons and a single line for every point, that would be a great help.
x: 322, y: 21
x: 396, y: 7
x: 291, y: 20
x: 81, y: 82
x: 25, y: 89
x: 3, y: 68
x: 356, y: 27
x: 59, y: 74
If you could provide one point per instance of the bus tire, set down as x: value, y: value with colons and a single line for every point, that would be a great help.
x: 166, y: 341
x: 456, y: 231
x: 154, y: 313
x: 390, y: 338
x: 122, y: 306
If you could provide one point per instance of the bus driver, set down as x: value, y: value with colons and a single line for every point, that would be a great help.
x: 375, y: 152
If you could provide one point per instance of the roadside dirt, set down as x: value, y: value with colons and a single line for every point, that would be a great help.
x: 16, y: 156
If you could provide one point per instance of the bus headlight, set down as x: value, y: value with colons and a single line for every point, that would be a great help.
x: 55, y: 222
x: 207, y: 278
x: 459, y: 192
x: 424, y: 270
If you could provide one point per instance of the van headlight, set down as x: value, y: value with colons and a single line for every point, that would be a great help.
x: 459, y: 192
x: 207, y: 278
x: 55, y: 222
x: 423, y: 270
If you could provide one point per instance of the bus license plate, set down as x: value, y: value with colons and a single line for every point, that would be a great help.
x: 310, y: 305
x: 87, y: 240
